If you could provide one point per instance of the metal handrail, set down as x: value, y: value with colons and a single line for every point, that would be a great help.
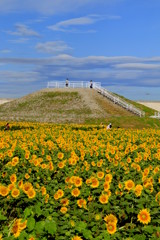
x: 119, y: 101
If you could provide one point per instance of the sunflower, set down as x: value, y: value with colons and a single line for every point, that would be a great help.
x: 77, y: 238
x: 108, y: 178
x: 15, y: 161
x: 103, y: 198
x: 11, y: 186
x: 60, y: 155
x: 99, y: 164
x: 111, y: 227
x: 60, y: 193
x: 35, y: 162
x: 27, y: 176
x: 110, y: 218
x: 63, y: 210
x: 43, y: 166
x: 100, y: 175
x: 144, y: 216
x: 65, y: 201
x: 95, y: 183
x: 97, y: 217
x: 31, y: 193
x: 72, y: 223
x: 56, y: 197
x: 20, y: 184
x: 78, y: 181
x: 75, y: 192
x: 15, y: 192
x: 16, y: 229
x: 61, y: 165
x: 81, y: 203
x: 93, y: 164
x: 22, y: 225
x: 106, y: 186
x: 26, y: 186
x: 138, y: 190
x: 43, y: 190
x: 18, y: 226
x: 48, y: 157
x: 129, y: 185
x: 51, y: 167
x: 4, y: 191
x: 13, y: 178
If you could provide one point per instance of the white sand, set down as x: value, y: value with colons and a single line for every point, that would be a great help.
x: 153, y: 105
x: 4, y: 100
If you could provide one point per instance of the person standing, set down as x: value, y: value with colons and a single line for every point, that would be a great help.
x: 91, y: 84
x: 67, y: 82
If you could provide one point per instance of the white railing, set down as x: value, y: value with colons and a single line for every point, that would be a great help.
x: 72, y: 84
x: 156, y: 115
x: 119, y: 101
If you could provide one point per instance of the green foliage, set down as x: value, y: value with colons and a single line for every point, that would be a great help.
x: 52, y: 157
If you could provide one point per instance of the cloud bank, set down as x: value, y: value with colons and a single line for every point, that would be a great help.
x: 124, y: 70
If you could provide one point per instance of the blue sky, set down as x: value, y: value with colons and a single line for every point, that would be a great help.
x: 116, y: 42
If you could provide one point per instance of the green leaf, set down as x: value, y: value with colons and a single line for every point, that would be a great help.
x: 51, y: 227
x: 27, y: 212
x: 80, y: 226
x: 148, y: 229
x: 105, y: 235
x: 40, y: 227
x: 139, y: 237
x: 23, y: 235
x: 38, y: 210
x: 87, y: 234
x: 31, y: 223
x: 2, y: 217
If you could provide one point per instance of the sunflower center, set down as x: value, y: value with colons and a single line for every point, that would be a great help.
x: 143, y: 216
x: 110, y: 227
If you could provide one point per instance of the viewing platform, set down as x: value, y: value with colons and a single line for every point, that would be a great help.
x: 72, y: 84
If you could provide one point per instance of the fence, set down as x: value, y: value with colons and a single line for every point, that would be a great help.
x: 156, y: 115
x: 72, y: 84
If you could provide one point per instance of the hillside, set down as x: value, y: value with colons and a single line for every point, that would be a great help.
x: 71, y: 106
x: 60, y: 106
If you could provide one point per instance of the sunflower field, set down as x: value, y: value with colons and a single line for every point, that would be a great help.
x: 74, y: 182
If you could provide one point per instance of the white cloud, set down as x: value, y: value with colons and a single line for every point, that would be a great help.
x: 5, y: 51
x: 49, y: 6
x: 18, y: 76
x: 20, y: 40
x: 55, y: 47
x: 141, y: 66
x: 64, y: 26
x: 23, y: 30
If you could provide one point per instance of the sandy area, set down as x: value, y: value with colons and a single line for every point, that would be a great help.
x: 153, y: 105
x: 4, y: 100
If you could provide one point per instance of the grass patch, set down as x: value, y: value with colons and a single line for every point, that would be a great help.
x: 148, y: 111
